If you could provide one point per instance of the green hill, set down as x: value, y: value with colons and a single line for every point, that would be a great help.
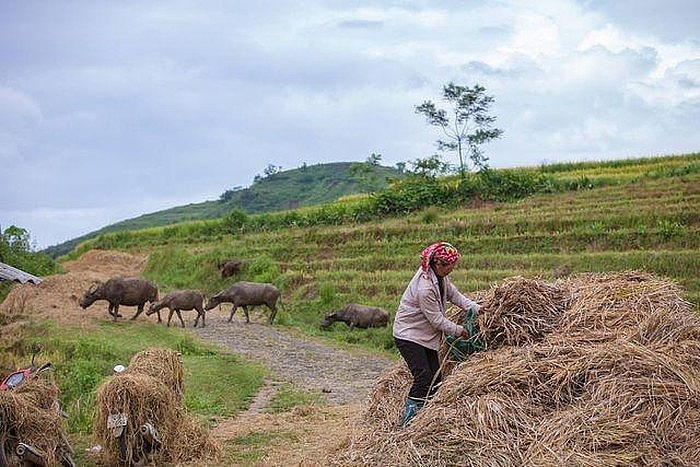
x: 301, y: 187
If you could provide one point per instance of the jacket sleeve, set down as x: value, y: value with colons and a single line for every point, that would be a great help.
x: 457, y: 298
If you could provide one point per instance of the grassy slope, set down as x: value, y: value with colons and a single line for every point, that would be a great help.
x: 647, y: 220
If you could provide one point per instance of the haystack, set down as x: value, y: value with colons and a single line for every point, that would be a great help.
x: 29, y: 414
x: 164, y: 365
x: 597, y: 369
x: 151, y: 394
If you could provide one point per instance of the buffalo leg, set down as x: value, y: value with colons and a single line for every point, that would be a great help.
x: 273, y: 312
x: 114, y: 311
x: 247, y: 316
x: 233, y: 310
x: 170, y: 316
x: 139, y: 310
x: 200, y: 312
x: 179, y: 315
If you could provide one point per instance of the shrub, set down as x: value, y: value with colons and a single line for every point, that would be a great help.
x: 429, y: 215
x: 511, y: 185
x: 235, y: 221
x: 264, y: 269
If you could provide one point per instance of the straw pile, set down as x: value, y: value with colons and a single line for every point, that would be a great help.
x: 521, y: 311
x: 607, y: 374
x: 29, y: 414
x: 151, y: 392
x: 164, y: 365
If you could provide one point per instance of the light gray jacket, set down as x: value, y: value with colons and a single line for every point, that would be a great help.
x: 421, y: 318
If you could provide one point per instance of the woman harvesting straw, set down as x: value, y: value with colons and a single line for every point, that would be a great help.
x: 420, y: 322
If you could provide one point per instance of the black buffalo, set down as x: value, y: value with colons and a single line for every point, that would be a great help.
x: 247, y: 294
x: 357, y: 316
x: 127, y: 291
x: 180, y: 300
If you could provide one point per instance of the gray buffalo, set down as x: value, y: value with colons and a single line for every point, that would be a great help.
x: 180, y: 300
x: 127, y: 291
x: 247, y: 294
x: 229, y: 268
x: 357, y: 316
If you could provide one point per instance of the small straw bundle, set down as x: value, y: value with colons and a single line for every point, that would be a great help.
x: 150, y: 392
x: 387, y: 397
x: 385, y: 403
x: 628, y: 396
x: 164, y: 365
x: 516, y: 312
x: 29, y: 412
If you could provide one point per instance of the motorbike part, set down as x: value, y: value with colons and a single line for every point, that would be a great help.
x: 116, y: 423
x: 150, y: 434
x: 30, y: 454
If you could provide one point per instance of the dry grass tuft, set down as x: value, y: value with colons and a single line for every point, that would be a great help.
x: 598, y: 369
x: 164, y: 365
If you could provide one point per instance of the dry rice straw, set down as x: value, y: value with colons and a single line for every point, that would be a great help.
x: 597, y: 369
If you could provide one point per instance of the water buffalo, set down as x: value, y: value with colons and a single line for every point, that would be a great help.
x: 247, y: 294
x: 180, y: 300
x: 127, y: 291
x: 357, y: 316
x: 230, y: 267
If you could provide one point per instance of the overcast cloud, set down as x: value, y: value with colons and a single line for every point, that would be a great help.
x: 110, y: 110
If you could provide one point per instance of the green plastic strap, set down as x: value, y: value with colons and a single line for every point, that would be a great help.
x: 460, y: 349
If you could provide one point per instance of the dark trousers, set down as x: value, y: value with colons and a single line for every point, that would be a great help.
x: 424, y: 364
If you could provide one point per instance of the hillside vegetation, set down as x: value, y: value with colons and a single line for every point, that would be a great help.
x: 633, y: 214
x: 290, y: 189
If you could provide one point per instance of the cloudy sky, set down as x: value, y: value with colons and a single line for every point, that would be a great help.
x: 113, y: 109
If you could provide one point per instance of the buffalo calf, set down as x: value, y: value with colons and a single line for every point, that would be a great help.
x: 229, y: 268
x: 247, y: 294
x: 180, y: 300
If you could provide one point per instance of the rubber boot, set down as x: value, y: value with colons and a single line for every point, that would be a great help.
x: 410, y: 409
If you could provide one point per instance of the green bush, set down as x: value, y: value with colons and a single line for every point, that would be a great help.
x: 429, y: 215
x: 263, y: 269
x: 511, y: 185
x: 235, y: 221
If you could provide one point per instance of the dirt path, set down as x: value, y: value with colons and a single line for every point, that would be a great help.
x: 342, y: 376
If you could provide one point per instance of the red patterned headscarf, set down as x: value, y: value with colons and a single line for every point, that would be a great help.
x: 439, y: 250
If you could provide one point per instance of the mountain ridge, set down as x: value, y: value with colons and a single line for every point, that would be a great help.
x: 279, y: 190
